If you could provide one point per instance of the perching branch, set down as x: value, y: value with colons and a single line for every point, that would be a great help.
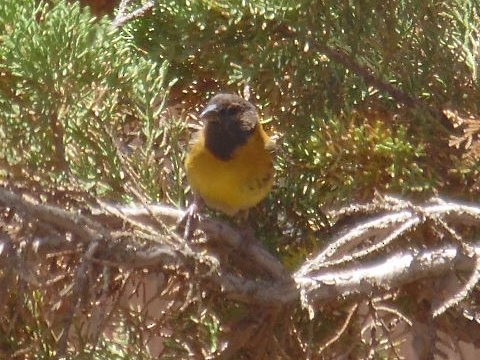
x: 316, y: 278
x: 372, y: 257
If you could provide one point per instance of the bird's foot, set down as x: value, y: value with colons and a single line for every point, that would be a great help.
x: 190, y: 219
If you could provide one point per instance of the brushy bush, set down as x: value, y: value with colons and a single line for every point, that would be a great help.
x: 356, y: 93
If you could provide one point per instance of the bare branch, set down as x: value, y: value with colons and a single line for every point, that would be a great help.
x: 464, y: 291
x: 79, y: 287
x: 375, y: 228
x: 315, y: 279
x: 123, y: 17
x: 78, y: 224
x: 367, y: 261
x: 215, y: 229
x: 386, y: 228
x: 370, y: 78
x: 396, y: 270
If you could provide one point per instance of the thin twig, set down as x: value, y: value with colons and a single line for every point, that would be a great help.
x: 340, y: 331
x: 370, y: 78
x: 356, y: 235
x: 78, y: 290
x: 11, y: 261
x: 463, y: 292
x: 123, y: 17
x: 393, y: 235
x: 394, y: 312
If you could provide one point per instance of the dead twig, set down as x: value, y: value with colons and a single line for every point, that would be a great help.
x: 78, y: 290
x: 123, y: 17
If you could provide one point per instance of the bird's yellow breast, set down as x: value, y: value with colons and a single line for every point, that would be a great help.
x: 235, y: 184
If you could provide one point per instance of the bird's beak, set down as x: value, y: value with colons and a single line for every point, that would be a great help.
x: 208, y: 111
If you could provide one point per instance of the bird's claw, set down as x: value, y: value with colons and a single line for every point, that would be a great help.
x: 190, y: 220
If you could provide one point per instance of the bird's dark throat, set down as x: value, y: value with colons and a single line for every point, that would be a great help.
x: 222, y: 143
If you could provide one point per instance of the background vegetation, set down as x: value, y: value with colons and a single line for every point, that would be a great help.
x: 365, y: 97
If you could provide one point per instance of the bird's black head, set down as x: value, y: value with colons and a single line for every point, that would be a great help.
x: 230, y: 121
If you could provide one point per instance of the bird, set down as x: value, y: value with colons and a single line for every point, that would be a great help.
x: 229, y: 164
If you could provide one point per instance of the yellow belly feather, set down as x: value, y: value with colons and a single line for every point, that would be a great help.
x: 236, y: 184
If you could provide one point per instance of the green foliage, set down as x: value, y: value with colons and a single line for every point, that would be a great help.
x: 70, y: 87
x: 84, y: 104
x: 69, y: 106
x: 285, y: 52
x: 343, y: 162
x: 278, y: 45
